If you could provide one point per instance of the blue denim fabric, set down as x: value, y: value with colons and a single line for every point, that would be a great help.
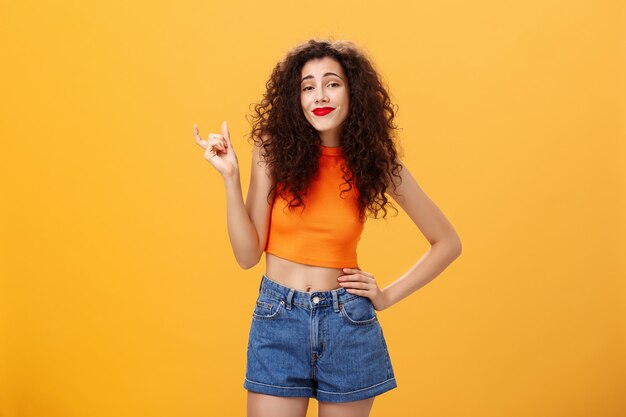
x: 327, y: 345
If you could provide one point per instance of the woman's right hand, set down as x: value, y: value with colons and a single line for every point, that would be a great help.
x: 218, y: 150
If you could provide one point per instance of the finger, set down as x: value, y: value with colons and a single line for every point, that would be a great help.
x: 349, y: 277
x: 201, y: 142
x: 211, y: 152
x: 215, y: 143
x: 360, y: 291
x: 196, y: 134
x: 354, y: 284
x: 357, y: 272
x: 354, y: 278
x: 356, y: 291
x: 226, y: 133
x: 219, y: 139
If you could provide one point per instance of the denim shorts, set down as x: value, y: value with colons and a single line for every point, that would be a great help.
x: 327, y: 345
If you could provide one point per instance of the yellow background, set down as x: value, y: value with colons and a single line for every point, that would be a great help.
x: 119, y: 292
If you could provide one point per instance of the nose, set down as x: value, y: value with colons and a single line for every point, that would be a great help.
x: 320, y: 96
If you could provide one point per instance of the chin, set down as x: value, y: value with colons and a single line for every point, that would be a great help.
x: 327, y: 127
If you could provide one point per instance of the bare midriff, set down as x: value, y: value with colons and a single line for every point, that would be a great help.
x: 301, y: 277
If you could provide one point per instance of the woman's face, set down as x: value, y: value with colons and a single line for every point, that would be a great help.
x: 324, y: 85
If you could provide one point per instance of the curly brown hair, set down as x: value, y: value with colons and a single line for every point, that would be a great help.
x: 291, y: 146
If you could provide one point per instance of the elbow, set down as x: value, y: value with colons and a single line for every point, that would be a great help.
x: 457, y: 246
x: 246, y: 264
x: 249, y: 262
x: 459, y: 251
x: 453, y: 245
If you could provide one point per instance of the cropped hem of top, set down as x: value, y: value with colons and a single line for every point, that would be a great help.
x: 326, y: 231
x: 314, y: 262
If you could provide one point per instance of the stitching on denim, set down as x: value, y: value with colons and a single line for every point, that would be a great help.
x: 311, y: 360
x: 387, y: 358
x: 279, y: 297
x: 264, y: 304
x: 273, y: 315
x: 270, y: 293
x: 341, y: 301
x: 358, y: 390
x: 357, y: 323
x: 276, y: 386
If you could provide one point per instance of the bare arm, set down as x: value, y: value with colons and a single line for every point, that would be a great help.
x: 248, y: 224
x: 445, y: 242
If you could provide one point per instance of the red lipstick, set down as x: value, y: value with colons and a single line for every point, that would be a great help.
x: 323, y: 111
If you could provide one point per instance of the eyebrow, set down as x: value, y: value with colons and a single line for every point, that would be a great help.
x: 325, y: 75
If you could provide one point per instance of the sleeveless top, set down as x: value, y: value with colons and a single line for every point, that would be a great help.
x: 325, y: 232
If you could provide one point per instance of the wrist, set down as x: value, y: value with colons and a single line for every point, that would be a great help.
x: 386, y: 301
x: 232, y: 176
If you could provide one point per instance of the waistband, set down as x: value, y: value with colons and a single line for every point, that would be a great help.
x: 303, y: 298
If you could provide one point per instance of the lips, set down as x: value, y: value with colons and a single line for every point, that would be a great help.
x: 322, y: 111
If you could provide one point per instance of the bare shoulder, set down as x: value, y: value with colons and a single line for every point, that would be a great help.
x: 420, y: 208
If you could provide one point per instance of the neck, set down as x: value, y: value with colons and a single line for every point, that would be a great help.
x: 330, y: 137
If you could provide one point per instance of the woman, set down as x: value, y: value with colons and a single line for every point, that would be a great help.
x: 323, y: 157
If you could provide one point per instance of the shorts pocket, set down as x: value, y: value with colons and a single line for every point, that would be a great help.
x: 359, y: 311
x: 267, y: 308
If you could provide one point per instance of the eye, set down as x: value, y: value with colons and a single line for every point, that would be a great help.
x: 334, y: 83
x: 305, y: 88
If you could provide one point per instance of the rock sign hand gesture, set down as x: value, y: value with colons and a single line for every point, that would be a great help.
x: 218, y: 150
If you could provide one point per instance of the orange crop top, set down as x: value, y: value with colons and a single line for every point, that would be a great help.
x: 326, y: 231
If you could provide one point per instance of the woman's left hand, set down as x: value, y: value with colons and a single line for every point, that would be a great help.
x: 363, y: 283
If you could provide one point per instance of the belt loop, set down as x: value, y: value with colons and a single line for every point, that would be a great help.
x: 335, y: 301
x: 261, y: 283
x: 289, y: 298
